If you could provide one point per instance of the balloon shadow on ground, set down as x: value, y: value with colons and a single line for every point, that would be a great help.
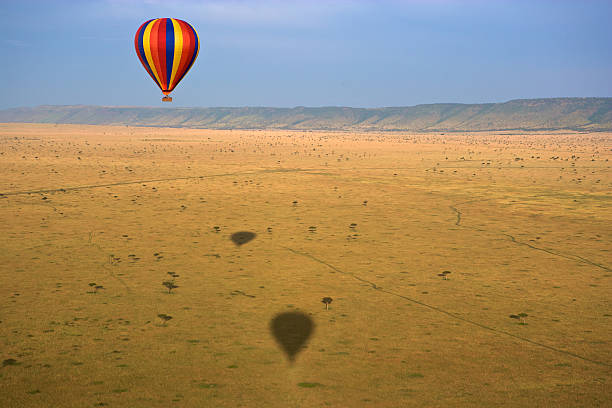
x: 292, y: 331
x: 242, y: 237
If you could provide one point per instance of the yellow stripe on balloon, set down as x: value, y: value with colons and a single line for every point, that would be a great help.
x: 146, y: 44
x: 178, y: 51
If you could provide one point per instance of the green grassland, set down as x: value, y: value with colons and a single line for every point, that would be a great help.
x: 521, y: 222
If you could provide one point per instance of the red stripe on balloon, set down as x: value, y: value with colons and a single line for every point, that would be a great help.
x: 153, y: 45
x: 136, y: 45
x: 196, y: 43
x: 161, y: 53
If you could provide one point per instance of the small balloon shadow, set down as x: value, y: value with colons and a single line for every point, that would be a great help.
x: 292, y: 331
x: 242, y: 237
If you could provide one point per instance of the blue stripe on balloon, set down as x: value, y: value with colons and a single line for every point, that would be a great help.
x: 169, y: 50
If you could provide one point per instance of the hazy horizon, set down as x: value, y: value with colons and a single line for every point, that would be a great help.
x: 171, y: 106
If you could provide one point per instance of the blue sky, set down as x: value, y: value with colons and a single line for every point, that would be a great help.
x: 311, y: 53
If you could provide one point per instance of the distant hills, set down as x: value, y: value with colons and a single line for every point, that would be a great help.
x: 583, y: 114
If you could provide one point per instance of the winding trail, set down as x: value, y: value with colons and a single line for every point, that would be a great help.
x: 125, y: 183
x: 458, y: 215
x: 571, y: 257
x: 559, y: 254
x: 262, y: 171
x: 447, y: 313
x: 106, y: 266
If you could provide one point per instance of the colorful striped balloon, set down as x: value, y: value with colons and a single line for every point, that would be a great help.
x: 167, y: 48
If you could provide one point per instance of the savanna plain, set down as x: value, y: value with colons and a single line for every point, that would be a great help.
x: 427, y: 243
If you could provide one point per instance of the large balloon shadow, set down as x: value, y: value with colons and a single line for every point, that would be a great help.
x: 242, y: 237
x: 292, y: 331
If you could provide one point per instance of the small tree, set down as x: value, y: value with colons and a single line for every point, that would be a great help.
x: 170, y: 285
x: 520, y: 317
x: 95, y: 287
x: 444, y: 275
x: 164, y: 318
x: 327, y: 301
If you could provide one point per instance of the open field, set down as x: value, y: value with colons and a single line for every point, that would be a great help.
x: 521, y: 221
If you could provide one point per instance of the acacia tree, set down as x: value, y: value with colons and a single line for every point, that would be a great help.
x: 327, y: 301
x: 170, y: 285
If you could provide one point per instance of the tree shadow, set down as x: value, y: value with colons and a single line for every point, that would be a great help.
x: 242, y: 237
x: 292, y: 331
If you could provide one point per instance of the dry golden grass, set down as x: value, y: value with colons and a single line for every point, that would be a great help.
x: 522, y: 221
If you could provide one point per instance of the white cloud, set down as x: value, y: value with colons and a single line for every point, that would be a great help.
x: 15, y: 43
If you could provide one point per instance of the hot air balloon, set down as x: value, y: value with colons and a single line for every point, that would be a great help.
x: 167, y: 48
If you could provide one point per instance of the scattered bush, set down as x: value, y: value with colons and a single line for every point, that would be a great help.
x: 164, y: 318
x: 521, y: 317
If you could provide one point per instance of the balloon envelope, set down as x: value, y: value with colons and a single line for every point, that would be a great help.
x: 167, y: 48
